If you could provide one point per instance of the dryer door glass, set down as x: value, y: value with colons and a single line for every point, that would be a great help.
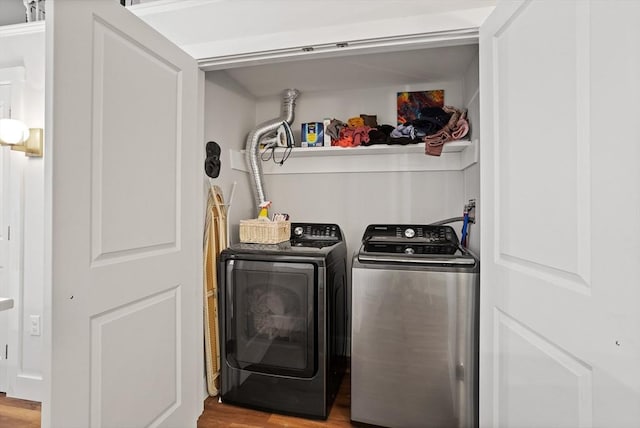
x: 271, y: 317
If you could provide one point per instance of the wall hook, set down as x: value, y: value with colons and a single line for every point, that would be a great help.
x: 212, y: 162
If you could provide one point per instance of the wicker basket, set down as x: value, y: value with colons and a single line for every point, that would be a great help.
x: 264, y: 232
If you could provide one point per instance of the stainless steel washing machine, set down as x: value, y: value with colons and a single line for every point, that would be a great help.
x: 414, y: 354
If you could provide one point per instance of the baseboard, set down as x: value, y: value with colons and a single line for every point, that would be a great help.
x: 26, y: 387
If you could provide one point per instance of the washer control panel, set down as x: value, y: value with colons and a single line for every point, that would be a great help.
x: 410, y: 233
x: 315, y: 232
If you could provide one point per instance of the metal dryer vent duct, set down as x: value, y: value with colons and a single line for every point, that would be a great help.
x: 267, y: 129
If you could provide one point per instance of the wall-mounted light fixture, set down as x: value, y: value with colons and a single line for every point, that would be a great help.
x: 14, y: 133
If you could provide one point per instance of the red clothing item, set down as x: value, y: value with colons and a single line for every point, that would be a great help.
x: 352, y: 137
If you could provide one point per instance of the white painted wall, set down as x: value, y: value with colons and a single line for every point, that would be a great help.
x: 471, y: 100
x: 355, y: 200
x: 25, y: 353
x: 229, y: 116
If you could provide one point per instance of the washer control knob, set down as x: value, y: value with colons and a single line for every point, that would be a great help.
x: 298, y: 231
x: 409, y: 250
x: 409, y: 233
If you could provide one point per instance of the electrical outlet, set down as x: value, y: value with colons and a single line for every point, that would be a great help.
x: 35, y: 325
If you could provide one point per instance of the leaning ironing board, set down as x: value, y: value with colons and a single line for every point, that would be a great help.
x: 215, y: 240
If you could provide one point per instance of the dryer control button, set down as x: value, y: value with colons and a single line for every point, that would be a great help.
x: 298, y: 231
x: 409, y: 233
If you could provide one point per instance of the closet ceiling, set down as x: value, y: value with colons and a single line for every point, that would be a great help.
x: 357, y: 72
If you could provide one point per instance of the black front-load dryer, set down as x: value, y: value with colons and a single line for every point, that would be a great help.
x: 283, y: 322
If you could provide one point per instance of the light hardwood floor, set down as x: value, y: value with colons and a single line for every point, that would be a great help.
x: 16, y: 413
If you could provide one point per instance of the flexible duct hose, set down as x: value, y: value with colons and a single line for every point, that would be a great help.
x: 266, y: 129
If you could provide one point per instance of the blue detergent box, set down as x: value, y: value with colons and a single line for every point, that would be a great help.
x: 312, y: 135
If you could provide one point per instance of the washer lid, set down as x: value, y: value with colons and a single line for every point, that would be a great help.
x: 461, y: 258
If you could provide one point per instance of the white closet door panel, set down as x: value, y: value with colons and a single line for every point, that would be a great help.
x: 134, y: 165
x: 126, y: 326
x: 533, y: 116
x: 558, y: 327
